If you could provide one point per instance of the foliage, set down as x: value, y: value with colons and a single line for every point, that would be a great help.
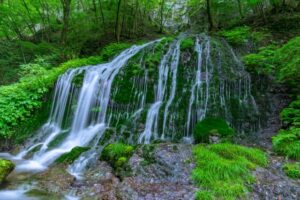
x: 287, y: 143
x: 291, y: 114
x: 71, y: 156
x: 19, y: 101
x: 222, y: 170
x: 6, y: 167
x: 117, y: 154
x: 113, y: 49
x: 187, y: 43
x: 242, y: 35
x: 282, y: 62
x: 292, y: 170
x: 210, y: 126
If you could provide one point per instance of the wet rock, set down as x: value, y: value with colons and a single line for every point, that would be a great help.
x: 6, y: 167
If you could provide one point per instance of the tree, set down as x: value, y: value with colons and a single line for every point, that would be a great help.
x: 66, y: 17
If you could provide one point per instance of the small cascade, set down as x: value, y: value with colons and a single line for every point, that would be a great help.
x: 153, y: 113
x: 86, y: 126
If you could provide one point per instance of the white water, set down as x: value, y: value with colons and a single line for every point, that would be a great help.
x: 86, y: 126
x: 153, y: 113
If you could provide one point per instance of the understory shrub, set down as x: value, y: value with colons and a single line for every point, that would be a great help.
x: 287, y: 143
x: 211, y: 126
x: 19, y: 101
x: 222, y: 170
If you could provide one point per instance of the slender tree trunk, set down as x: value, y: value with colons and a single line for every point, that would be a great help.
x: 240, y: 8
x: 66, y: 17
x: 162, y: 8
x: 209, y: 16
x: 102, y: 14
x: 117, y: 26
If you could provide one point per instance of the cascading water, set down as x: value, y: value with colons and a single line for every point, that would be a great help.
x: 159, y: 90
x: 86, y: 125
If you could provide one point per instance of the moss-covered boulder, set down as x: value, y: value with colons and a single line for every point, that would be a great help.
x: 6, y: 167
x: 212, y: 126
x: 117, y: 154
x: 71, y: 156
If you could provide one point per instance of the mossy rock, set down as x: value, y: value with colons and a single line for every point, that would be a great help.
x: 292, y: 170
x: 71, y: 156
x: 117, y: 154
x: 187, y: 43
x: 6, y: 167
x: 212, y: 126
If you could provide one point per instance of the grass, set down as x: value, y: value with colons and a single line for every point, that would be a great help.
x: 223, y: 170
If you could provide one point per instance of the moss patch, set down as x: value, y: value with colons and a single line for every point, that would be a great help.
x: 187, y: 43
x: 71, y: 156
x: 222, y: 170
x: 6, y: 167
x: 210, y: 126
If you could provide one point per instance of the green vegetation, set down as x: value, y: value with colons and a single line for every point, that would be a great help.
x: 292, y: 170
x: 71, y: 156
x: 291, y: 114
x: 212, y: 126
x: 187, y: 43
x: 223, y: 170
x: 287, y: 143
x: 6, y: 167
x: 242, y: 35
x: 21, y: 100
x: 281, y: 62
x: 117, y: 154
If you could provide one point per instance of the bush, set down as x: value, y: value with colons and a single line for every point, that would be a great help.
x: 292, y: 170
x: 287, y: 143
x: 117, y: 154
x: 291, y: 114
x: 210, y: 126
x: 222, y: 170
x: 112, y: 50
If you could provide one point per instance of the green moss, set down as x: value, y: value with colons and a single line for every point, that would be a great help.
x: 6, y: 167
x: 287, y: 143
x: 187, y: 43
x: 210, y: 126
x: 71, y: 156
x: 292, y: 170
x: 117, y: 154
x: 222, y: 170
x: 112, y: 50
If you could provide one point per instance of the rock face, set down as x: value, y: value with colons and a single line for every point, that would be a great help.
x: 273, y: 184
x: 6, y: 167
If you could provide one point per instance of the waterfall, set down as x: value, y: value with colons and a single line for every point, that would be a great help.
x: 153, y: 113
x: 85, y: 126
x: 144, y: 101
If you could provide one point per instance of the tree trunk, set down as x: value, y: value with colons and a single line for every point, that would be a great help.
x: 209, y: 16
x: 117, y: 27
x: 66, y: 17
x: 240, y: 8
x: 162, y: 8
